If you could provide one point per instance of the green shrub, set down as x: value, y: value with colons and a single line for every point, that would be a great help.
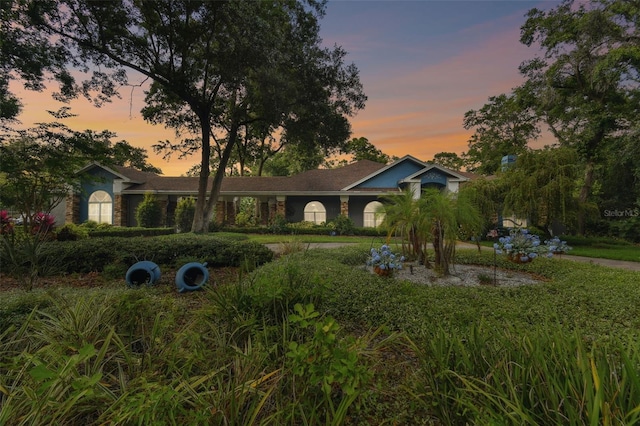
x: 149, y: 212
x: 71, y: 232
x: 90, y: 224
x: 115, y: 254
x: 343, y: 225
x: 185, y: 212
x: 126, y: 232
x: 278, y: 224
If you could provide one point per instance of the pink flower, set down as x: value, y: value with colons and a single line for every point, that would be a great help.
x: 42, y: 223
x: 6, y: 223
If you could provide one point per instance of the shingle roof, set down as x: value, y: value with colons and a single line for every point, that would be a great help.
x: 320, y: 180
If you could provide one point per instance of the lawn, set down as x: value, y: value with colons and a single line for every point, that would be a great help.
x: 605, y: 248
x: 314, y: 338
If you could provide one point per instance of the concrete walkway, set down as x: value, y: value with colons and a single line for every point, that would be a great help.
x: 620, y: 264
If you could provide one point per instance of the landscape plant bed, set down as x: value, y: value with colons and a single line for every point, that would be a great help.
x: 96, y: 280
x: 260, y: 345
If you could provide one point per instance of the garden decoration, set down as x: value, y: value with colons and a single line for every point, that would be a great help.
x: 384, y: 261
x: 521, y: 246
x: 192, y: 276
x: 143, y: 272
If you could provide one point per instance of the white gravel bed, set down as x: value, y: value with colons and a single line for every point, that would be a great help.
x: 465, y: 275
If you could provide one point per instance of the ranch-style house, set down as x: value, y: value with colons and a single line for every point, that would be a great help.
x: 113, y: 193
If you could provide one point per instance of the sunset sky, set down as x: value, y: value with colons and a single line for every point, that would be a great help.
x: 423, y: 64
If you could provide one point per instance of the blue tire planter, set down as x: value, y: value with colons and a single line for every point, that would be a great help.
x: 144, y: 272
x: 192, y: 276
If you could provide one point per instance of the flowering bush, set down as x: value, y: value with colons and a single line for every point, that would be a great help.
x: 22, y: 253
x: 6, y: 223
x: 522, y: 246
x: 385, y: 259
x: 42, y: 224
x: 556, y: 246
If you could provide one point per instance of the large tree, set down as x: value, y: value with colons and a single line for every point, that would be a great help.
x: 503, y: 126
x: 28, y: 57
x: 450, y: 160
x: 542, y: 187
x: 40, y: 165
x: 214, y: 67
x: 586, y: 84
x: 362, y: 149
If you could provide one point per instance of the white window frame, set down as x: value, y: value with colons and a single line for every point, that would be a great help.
x: 100, y: 207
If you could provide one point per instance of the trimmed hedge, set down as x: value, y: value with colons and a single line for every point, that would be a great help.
x: 95, y: 254
x: 292, y: 230
x: 118, y: 231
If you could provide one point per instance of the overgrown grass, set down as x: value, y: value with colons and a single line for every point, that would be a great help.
x: 314, y: 338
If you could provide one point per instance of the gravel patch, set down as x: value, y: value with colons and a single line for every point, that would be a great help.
x: 465, y: 276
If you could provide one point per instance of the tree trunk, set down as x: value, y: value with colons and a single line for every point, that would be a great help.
x: 585, y: 191
x: 200, y: 220
x: 217, y: 178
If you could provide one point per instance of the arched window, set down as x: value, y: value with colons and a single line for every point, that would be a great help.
x: 101, y: 207
x: 373, y: 214
x: 315, y: 212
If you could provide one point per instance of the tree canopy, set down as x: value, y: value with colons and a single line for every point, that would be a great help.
x: 40, y: 165
x: 362, y: 149
x: 215, y: 67
x: 503, y: 126
x: 584, y: 86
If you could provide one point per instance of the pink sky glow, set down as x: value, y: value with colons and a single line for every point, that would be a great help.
x: 419, y: 84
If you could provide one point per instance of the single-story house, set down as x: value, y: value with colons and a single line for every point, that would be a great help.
x: 315, y: 195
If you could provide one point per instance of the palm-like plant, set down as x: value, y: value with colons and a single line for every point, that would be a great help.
x: 448, y: 213
x: 435, y: 217
x: 404, y: 219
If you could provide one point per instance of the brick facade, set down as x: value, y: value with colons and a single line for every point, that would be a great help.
x: 120, y: 211
x: 72, y: 213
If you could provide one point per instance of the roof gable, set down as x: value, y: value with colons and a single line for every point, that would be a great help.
x: 391, y: 175
x: 435, y: 173
x: 96, y: 169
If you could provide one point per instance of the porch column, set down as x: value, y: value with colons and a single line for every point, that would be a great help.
x: 264, y: 211
x: 219, y: 215
x: 120, y: 211
x: 344, y: 205
x: 163, y: 201
x: 272, y: 209
x: 281, y: 205
x: 231, y: 212
x: 415, y: 188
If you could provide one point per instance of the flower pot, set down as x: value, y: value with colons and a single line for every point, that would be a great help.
x: 519, y: 258
x: 383, y: 272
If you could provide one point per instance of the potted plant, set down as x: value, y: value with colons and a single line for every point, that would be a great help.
x: 520, y: 246
x: 557, y: 246
x: 384, y: 261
